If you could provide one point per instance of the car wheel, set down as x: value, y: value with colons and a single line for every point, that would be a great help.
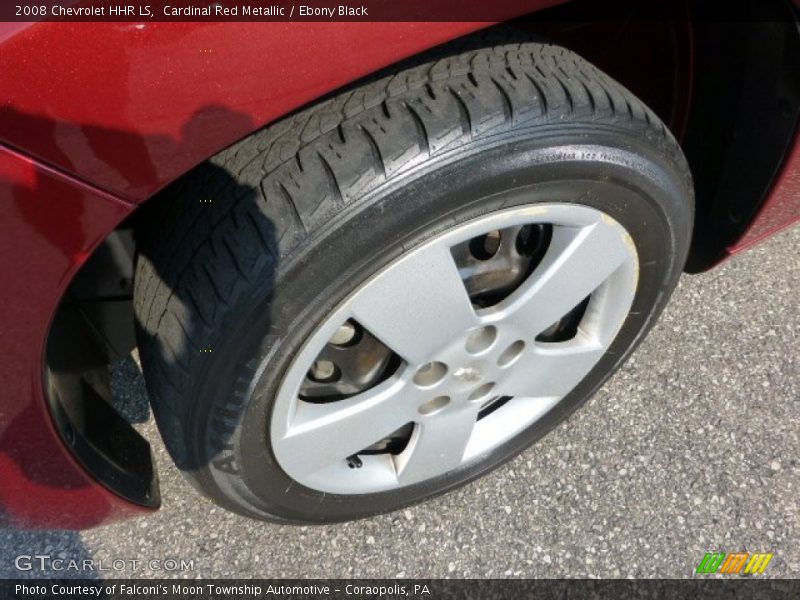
x: 395, y: 291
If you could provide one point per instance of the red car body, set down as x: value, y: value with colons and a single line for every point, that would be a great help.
x: 95, y: 119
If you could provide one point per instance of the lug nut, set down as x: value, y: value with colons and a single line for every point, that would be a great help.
x: 434, y: 406
x: 430, y: 374
x: 344, y: 335
x: 322, y: 370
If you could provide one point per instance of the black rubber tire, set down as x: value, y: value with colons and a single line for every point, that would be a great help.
x: 245, y: 255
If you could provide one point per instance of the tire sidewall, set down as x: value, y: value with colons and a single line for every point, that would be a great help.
x: 609, y: 169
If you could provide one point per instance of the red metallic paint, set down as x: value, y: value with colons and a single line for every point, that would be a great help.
x: 127, y: 109
x: 782, y: 207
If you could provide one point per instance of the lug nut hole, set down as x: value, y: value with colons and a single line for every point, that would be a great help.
x: 430, y: 374
x: 434, y: 406
x: 511, y: 354
x: 480, y: 393
x: 485, y: 246
x: 481, y: 339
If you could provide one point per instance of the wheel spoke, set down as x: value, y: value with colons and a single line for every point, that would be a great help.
x: 449, y: 360
x: 322, y: 434
x: 437, y: 446
x: 415, y: 305
x: 553, y: 370
x: 577, y: 262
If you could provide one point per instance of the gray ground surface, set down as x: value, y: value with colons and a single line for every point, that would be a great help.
x: 693, y: 446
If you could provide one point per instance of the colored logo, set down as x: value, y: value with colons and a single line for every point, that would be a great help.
x: 738, y: 562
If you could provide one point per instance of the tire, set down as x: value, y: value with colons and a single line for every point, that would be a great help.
x: 244, y: 259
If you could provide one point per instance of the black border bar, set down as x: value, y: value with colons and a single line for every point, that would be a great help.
x: 734, y: 587
x: 146, y: 11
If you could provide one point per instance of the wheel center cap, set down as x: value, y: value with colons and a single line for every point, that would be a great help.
x: 469, y: 374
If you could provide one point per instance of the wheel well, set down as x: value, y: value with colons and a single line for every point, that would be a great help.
x: 724, y: 83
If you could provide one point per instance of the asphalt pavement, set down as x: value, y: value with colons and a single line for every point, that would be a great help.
x: 693, y: 446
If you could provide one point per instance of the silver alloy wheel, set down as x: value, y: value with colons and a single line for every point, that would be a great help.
x: 455, y: 356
